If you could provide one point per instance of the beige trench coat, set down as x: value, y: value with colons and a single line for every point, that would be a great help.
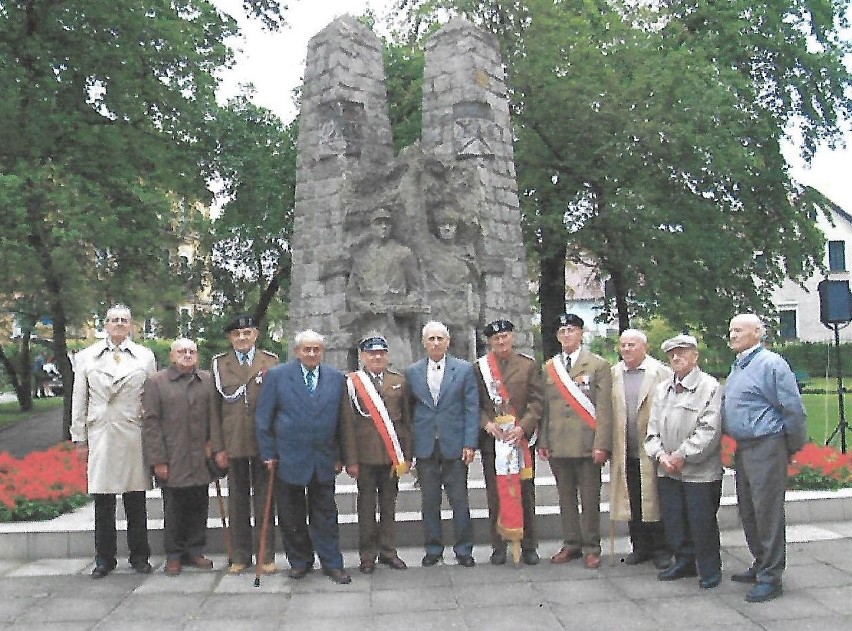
x: 619, y: 501
x: 106, y: 414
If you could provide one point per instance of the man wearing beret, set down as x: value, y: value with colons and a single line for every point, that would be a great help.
x: 238, y: 376
x: 509, y: 383
x: 576, y: 436
x: 382, y: 422
x: 684, y: 438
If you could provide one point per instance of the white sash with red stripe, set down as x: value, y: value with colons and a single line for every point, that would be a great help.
x: 360, y: 385
x: 571, y: 392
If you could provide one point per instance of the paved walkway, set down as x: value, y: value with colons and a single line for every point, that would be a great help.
x: 59, y: 594
x: 35, y: 433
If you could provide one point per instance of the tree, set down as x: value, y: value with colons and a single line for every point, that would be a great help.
x: 104, y: 108
x: 648, y: 142
x: 255, y: 165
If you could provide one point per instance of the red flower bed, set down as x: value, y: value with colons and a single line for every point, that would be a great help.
x: 42, y: 485
x: 814, y: 467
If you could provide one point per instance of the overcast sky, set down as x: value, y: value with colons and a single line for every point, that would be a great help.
x: 275, y: 64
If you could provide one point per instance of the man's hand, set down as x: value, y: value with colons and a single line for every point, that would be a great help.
x: 544, y: 453
x: 161, y: 471
x: 600, y: 456
x: 671, y: 464
x: 222, y: 459
x: 353, y: 470
x: 492, y: 429
x: 512, y: 436
x: 338, y: 466
x: 467, y: 455
x: 270, y: 464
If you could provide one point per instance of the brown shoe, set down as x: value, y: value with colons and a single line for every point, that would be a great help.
x: 566, y: 554
x: 202, y: 563
x: 393, y: 562
x: 173, y: 567
x: 592, y: 560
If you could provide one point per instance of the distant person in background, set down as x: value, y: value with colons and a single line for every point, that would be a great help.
x: 39, y: 377
x: 106, y: 426
x: 176, y: 423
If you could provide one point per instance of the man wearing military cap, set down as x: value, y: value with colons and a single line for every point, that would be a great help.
x: 238, y: 376
x: 509, y: 383
x: 382, y: 421
x: 576, y: 436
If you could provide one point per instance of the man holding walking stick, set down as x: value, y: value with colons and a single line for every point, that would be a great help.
x: 304, y: 422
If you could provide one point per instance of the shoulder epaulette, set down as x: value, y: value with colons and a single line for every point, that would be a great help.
x: 530, y: 357
x: 221, y: 355
x: 270, y: 353
x: 392, y: 371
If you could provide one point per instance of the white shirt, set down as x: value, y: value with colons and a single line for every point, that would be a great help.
x: 434, y: 377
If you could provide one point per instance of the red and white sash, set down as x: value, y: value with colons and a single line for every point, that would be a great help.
x: 571, y: 392
x: 360, y: 384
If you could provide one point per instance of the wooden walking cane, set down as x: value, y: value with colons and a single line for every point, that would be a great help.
x: 267, y: 509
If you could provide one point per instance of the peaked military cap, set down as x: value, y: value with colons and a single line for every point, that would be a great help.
x: 571, y: 319
x: 373, y: 343
x: 242, y: 321
x: 498, y: 326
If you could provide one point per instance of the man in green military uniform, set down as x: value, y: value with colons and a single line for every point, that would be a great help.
x: 238, y: 376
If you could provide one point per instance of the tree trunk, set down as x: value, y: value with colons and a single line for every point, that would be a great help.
x: 551, y: 293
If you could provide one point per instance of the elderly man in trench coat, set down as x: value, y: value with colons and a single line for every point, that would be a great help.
x: 106, y: 426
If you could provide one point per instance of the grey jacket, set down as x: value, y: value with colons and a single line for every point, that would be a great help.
x: 688, y: 424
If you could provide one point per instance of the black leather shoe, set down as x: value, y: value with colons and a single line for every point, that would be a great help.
x: 679, y: 569
x: 430, y: 559
x: 395, y: 563
x: 661, y: 561
x: 368, y: 566
x: 763, y: 592
x: 498, y: 556
x: 635, y: 558
x: 299, y: 572
x: 745, y: 577
x: 142, y: 567
x: 465, y: 560
x: 710, y: 582
x: 102, y: 570
x: 338, y: 575
x: 530, y: 557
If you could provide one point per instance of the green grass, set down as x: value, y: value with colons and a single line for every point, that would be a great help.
x: 11, y: 412
x: 824, y: 415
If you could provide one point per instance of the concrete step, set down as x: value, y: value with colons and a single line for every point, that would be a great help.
x: 71, y: 535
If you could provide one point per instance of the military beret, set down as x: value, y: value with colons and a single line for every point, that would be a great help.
x: 373, y: 343
x: 571, y: 319
x: 242, y: 321
x: 679, y: 341
x: 498, y: 326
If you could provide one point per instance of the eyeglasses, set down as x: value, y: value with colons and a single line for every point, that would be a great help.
x: 119, y: 320
x: 185, y: 351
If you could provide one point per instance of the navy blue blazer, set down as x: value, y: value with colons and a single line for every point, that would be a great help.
x: 303, y: 431
x: 454, y: 419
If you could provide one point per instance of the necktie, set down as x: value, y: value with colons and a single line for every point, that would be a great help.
x: 567, y: 359
x: 243, y: 357
x: 310, y: 380
x: 678, y: 388
x: 378, y: 379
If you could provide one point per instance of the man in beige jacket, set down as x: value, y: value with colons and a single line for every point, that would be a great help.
x: 106, y: 426
x: 633, y: 476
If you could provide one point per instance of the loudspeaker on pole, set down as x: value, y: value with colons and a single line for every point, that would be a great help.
x: 835, y: 301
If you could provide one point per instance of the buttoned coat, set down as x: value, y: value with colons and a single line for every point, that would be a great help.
x: 175, y: 424
x: 454, y: 419
x: 106, y: 414
x: 369, y: 446
x: 619, y: 501
x: 232, y: 426
x: 562, y: 429
x: 307, y: 433
x: 522, y: 379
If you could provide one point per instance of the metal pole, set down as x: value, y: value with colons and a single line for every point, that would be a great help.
x: 842, y: 424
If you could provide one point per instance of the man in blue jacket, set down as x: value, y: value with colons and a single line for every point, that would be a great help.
x: 304, y: 429
x: 445, y: 409
x: 763, y: 411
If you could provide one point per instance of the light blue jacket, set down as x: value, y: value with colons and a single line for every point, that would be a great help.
x: 761, y: 399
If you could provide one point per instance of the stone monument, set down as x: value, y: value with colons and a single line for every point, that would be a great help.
x: 385, y: 243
